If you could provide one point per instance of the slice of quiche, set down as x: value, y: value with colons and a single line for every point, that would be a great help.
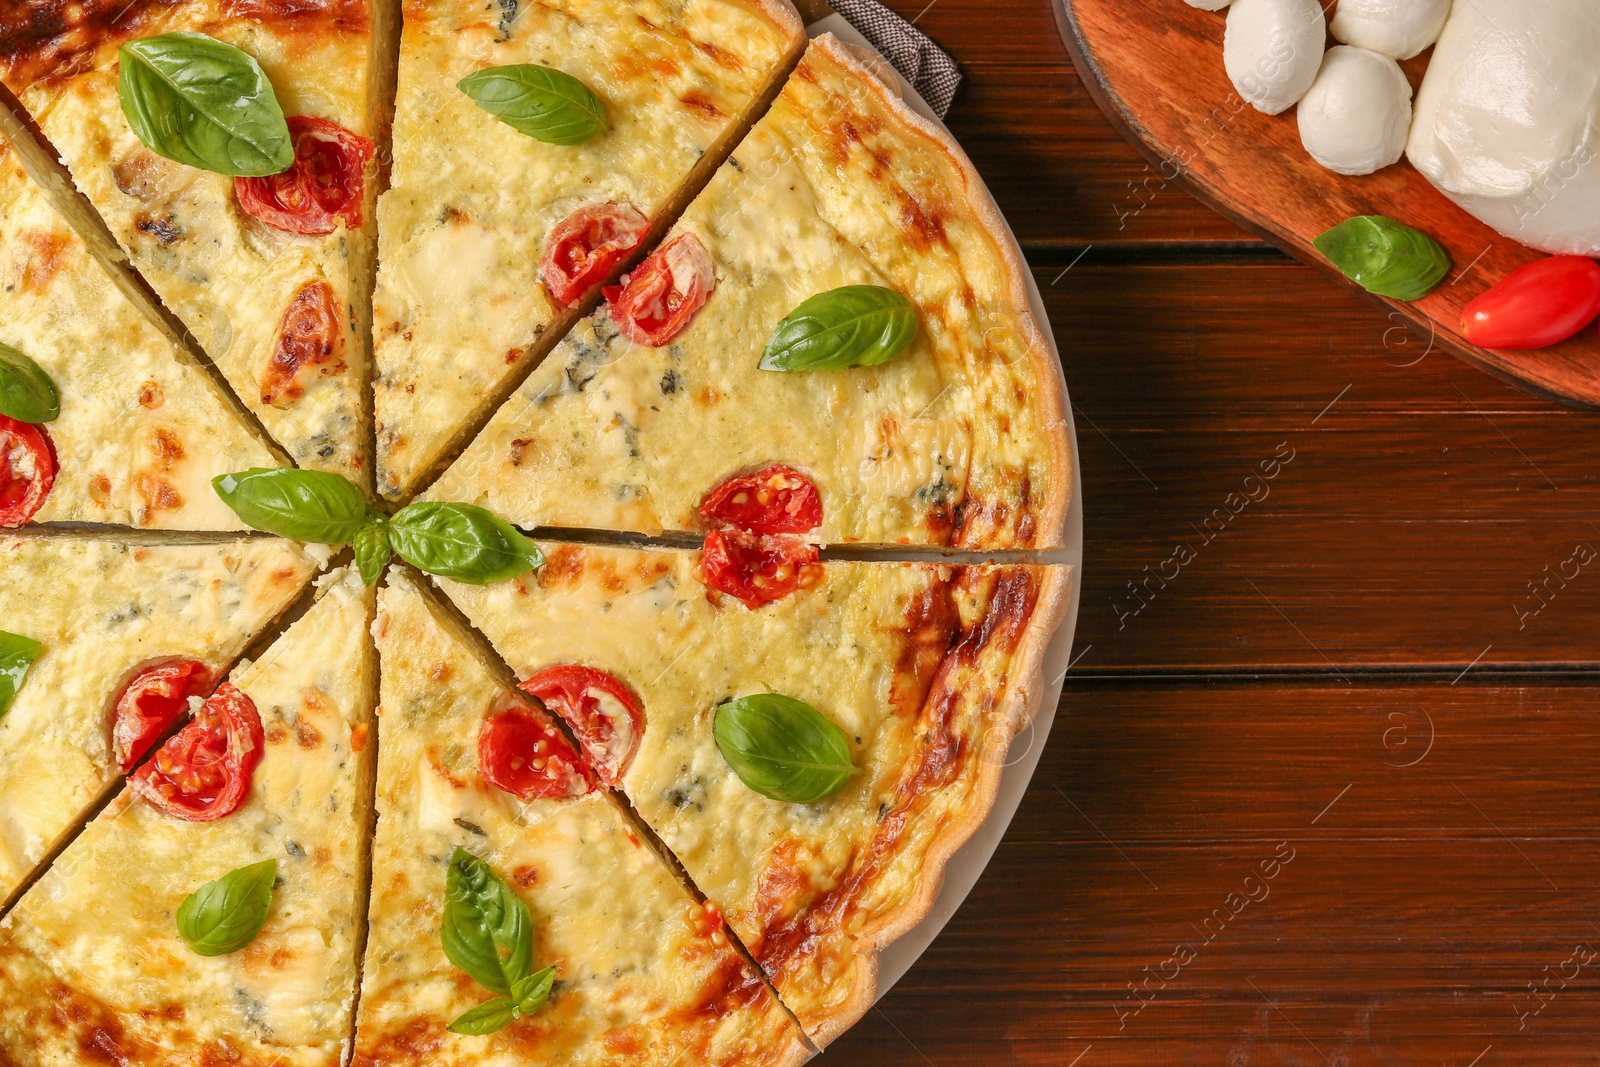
x: 820, y: 830
x: 108, y: 960
x: 125, y: 634
x: 842, y: 308
x: 269, y: 272
x: 142, y: 430
x: 472, y: 772
x: 494, y: 233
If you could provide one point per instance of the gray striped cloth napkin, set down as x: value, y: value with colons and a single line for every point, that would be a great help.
x: 929, y: 68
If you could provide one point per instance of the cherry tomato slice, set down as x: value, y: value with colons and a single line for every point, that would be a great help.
x: 778, y: 500
x: 204, y: 772
x: 583, y: 248
x: 153, y: 699
x: 311, y: 334
x: 27, y: 470
x: 603, y: 712
x: 757, y: 570
x: 660, y: 296
x: 527, y: 756
x: 326, y: 182
x: 1535, y: 306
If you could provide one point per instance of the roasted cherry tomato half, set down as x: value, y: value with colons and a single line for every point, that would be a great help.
x: 603, y: 712
x: 1536, y: 306
x: 326, y: 182
x: 27, y: 470
x: 526, y: 756
x: 153, y: 700
x: 757, y: 570
x: 778, y: 500
x: 583, y: 248
x: 204, y: 772
x: 310, y: 335
x: 660, y: 296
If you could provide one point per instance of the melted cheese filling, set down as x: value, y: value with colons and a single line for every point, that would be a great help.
x: 460, y: 299
x: 103, y: 917
x: 100, y: 610
x: 608, y: 434
x: 229, y: 277
x: 634, y: 955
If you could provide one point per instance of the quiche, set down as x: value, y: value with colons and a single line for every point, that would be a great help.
x: 492, y: 240
x: 927, y: 671
x: 127, y: 633
x: 94, y: 963
x: 649, y: 405
x: 270, y: 282
x: 142, y: 429
x: 643, y: 973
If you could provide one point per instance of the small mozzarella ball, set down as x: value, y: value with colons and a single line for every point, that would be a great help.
x: 1398, y: 28
x: 1272, y: 50
x: 1357, y: 114
x: 1210, y: 5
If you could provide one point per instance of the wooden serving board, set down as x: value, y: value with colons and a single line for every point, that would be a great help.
x: 1155, y: 69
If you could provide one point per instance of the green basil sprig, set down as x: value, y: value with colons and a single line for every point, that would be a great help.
x: 226, y: 915
x: 1385, y: 257
x: 461, y: 541
x: 26, y: 392
x: 317, y: 506
x: 487, y: 931
x: 783, y: 748
x: 852, y: 326
x: 546, y: 104
x: 196, y: 100
x: 17, y: 654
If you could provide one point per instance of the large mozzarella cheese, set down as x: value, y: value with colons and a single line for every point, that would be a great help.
x: 460, y: 306
x: 1397, y: 28
x: 1272, y: 50
x: 102, y: 924
x: 640, y: 966
x: 1508, y: 119
x: 835, y: 186
x: 1355, y: 118
x: 100, y: 610
x: 142, y: 431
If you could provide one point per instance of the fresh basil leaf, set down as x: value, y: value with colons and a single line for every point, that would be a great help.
x: 1385, y: 257
x: 546, y: 104
x: 26, y: 392
x: 372, y: 551
x: 198, y: 101
x: 17, y: 654
x: 852, y: 326
x: 531, y: 993
x: 304, y: 505
x: 486, y: 1018
x: 226, y: 915
x: 783, y: 748
x: 487, y: 930
x: 461, y: 541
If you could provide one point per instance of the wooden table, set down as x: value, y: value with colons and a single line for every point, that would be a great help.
x: 1373, y: 678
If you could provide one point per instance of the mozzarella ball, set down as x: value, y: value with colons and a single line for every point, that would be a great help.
x: 1357, y: 114
x: 1272, y: 50
x: 1210, y: 5
x: 1398, y: 28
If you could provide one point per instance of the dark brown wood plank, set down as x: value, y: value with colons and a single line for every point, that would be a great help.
x: 1058, y: 170
x: 1157, y: 67
x: 1418, y: 502
x: 1428, y: 885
